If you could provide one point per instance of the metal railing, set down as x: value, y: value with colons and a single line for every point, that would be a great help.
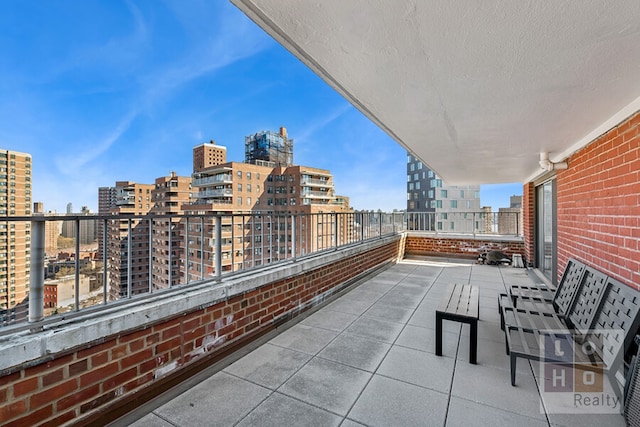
x: 136, y: 255
x: 486, y: 223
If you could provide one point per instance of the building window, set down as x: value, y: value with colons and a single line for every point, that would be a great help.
x: 419, y: 165
x: 412, y: 167
x: 239, y: 201
x: 239, y: 187
x: 248, y: 201
x: 239, y: 174
x: 454, y: 204
x: 248, y: 175
x: 411, y: 186
x: 248, y: 187
x: 418, y: 185
x: 462, y: 194
x: 443, y: 194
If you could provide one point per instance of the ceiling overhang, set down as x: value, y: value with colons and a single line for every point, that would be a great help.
x: 477, y: 90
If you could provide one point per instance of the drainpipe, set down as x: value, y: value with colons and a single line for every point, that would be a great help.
x: 546, y: 164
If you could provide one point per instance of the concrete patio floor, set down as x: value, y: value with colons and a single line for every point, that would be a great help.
x: 368, y: 358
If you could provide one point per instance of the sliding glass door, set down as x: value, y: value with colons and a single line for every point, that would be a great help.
x: 546, y: 255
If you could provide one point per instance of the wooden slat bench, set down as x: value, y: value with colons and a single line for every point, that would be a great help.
x: 460, y: 303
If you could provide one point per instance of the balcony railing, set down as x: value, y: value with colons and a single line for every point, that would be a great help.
x: 214, y: 193
x: 496, y: 223
x: 137, y: 255
x: 224, y: 178
x: 316, y: 182
x: 148, y: 254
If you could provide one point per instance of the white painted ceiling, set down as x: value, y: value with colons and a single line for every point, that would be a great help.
x: 475, y: 88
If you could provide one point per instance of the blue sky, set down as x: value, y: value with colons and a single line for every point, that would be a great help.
x: 103, y: 91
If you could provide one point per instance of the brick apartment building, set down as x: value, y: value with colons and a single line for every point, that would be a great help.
x: 168, y: 196
x: 129, y: 236
x: 267, y: 183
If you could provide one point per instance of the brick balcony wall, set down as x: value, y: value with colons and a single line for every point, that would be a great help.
x: 85, y: 384
x: 599, y: 204
x: 425, y: 244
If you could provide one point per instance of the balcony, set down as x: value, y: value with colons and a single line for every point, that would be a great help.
x: 223, y: 192
x: 298, y: 262
x: 216, y: 179
x: 368, y: 357
x: 315, y: 194
x: 314, y: 182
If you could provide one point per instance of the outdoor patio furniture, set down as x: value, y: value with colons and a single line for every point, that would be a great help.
x: 460, y: 303
x: 539, y: 298
x: 604, y: 314
x: 632, y: 390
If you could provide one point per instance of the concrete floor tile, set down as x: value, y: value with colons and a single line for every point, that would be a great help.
x: 389, y: 313
x: 472, y: 382
x: 279, y: 410
x: 328, y: 385
x: 401, y: 300
x: 418, y: 368
x: 376, y: 329
x: 221, y: 400
x: 303, y: 338
x: 388, y: 402
x: 268, y: 365
x: 356, y: 351
x: 331, y: 320
x: 424, y: 339
x: 350, y: 306
x: 151, y: 420
x: 464, y: 413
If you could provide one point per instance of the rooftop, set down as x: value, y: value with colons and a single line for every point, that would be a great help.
x: 367, y: 358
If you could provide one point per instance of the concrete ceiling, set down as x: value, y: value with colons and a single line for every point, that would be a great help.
x: 476, y: 89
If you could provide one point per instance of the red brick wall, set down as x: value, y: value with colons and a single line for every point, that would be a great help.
x: 599, y: 204
x: 528, y: 200
x: 74, y: 384
x: 456, y: 246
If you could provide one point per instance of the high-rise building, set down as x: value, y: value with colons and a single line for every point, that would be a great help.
x: 15, y: 236
x: 52, y: 229
x: 447, y: 204
x: 260, y: 186
x: 208, y: 154
x: 128, y: 240
x: 269, y: 148
x: 87, y: 228
x: 106, y: 201
x: 168, y: 196
x: 510, y: 220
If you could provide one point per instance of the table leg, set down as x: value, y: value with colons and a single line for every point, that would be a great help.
x: 473, y: 350
x: 438, y: 334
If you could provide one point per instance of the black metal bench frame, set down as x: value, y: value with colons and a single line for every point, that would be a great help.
x: 460, y: 303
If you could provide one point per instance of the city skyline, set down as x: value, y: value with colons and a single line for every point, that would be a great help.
x: 109, y: 91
